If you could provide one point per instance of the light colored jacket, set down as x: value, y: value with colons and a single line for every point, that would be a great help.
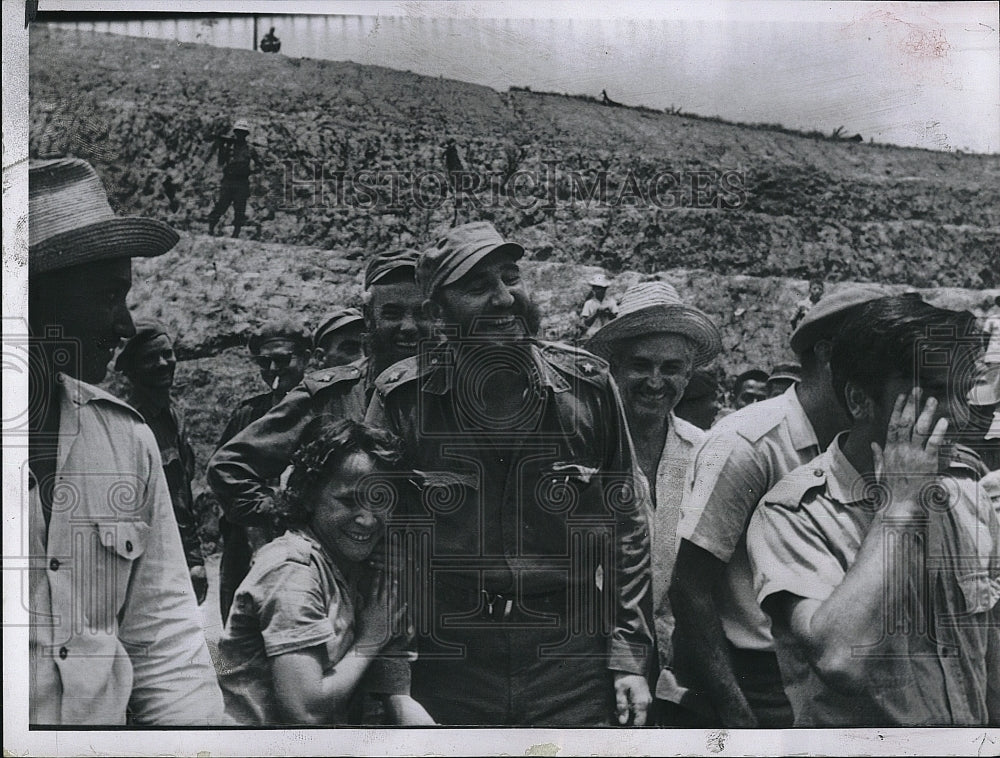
x: 116, y: 623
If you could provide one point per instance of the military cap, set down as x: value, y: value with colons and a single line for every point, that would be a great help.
x: 383, y: 264
x: 790, y: 371
x: 280, y: 329
x: 457, y: 251
x: 144, y: 332
x: 337, y: 320
x: 823, y: 319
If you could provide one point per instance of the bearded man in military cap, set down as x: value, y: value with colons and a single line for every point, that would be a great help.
x: 530, y: 567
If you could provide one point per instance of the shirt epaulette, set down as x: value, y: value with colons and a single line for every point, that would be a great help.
x: 325, y: 378
x: 791, y: 490
x: 251, y: 402
x: 575, y: 361
x: 288, y: 547
x: 398, y: 374
x: 767, y: 418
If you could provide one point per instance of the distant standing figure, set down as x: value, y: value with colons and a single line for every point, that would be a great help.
x: 599, y: 309
x: 270, y: 43
x: 816, y: 289
x: 235, y: 157
x: 991, y: 325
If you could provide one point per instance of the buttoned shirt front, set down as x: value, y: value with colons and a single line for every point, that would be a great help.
x: 527, y: 510
x: 115, y: 622
x: 742, y: 457
x: 678, y: 449
x: 804, y: 538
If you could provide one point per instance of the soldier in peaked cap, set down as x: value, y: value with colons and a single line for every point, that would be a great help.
x: 124, y: 632
x: 243, y: 470
x: 280, y: 348
x: 723, y: 641
x: 148, y: 361
x: 877, y: 523
x: 338, y: 340
x: 523, y: 454
x: 653, y: 346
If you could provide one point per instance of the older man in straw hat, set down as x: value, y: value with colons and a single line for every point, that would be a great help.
x: 116, y: 626
x: 653, y: 346
x: 528, y: 486
x: 724, y: 648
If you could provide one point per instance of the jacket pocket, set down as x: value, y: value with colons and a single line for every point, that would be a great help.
x: 562, y: 484
x: 107, y: 564
x: 446, y: 491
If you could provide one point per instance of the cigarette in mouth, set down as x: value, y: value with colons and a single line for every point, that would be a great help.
x: 274, y: 384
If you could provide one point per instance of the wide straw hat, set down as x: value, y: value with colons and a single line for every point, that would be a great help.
x: 656, y: 308
x: 599, y: 280
x: 70, y: 221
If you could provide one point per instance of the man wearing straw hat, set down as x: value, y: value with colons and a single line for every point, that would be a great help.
x: 530, y: 538
x: 599, y: 309
x: 653, y: 346
x: 723, y: 640
x: 115, y: 623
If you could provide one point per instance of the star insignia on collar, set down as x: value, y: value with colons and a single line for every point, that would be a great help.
x: 588, y: 367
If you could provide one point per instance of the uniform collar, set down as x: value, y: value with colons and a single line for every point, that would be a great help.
x: 438, y: 369
x: 799, y: 428
x: 843, y: 482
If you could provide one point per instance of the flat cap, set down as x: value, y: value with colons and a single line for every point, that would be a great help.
x: 335, y: 321
x: 144, y: 332
x: 383, y: 264
x: 457, y: 251
x: 792, y: 371
x: 280, y: 329
x: 822, y: 320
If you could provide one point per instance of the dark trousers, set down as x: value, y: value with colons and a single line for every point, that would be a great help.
x: 760, y: 679
x: 512, y: 672
x: 235, y: 193
x: 235, y: 563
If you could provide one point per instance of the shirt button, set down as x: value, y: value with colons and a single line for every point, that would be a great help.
x: 817, y: 472
x: 128, y: 546
x: 54, y: 564
x: 63, y: 652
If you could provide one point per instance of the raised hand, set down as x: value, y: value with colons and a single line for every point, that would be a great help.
x: 382, y: 618
x: 911, y: 450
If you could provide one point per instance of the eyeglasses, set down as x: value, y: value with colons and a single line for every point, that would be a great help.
x: 279, y: 361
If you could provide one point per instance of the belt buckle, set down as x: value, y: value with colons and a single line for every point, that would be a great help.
x: 497, y: 607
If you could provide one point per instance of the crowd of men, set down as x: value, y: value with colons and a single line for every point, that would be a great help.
x: 476, y: 526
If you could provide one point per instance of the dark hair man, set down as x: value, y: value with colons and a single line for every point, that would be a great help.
x: 243, y: 471
x: 120, y: 632
x: 749, y: 387
x: 529, y: 492
x: 653, y: 346
x: 699, y: 405
x: 723, y: 639
x: 880, y: 573
x: 148, y: 362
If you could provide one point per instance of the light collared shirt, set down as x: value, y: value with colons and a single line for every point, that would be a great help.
x: 804, y: 538
x: 115, y: 621
x: 678, y: 449
x: 742, y: 457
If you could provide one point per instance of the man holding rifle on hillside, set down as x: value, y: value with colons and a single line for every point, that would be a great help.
x: 235, y: 156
